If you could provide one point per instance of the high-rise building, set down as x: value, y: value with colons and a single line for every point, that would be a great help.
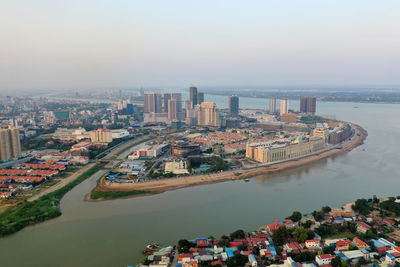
x: 272, y: 105
x: 129, y: 109
x: 208, y: 115
x: 177, y: 97
x: 152, y: 102
x: 172, y: 109
x: 233, y: 104
x: 120, y: 105
x: 188, y: 108
x: 308, y: 104
x: 193, y: 95
x: 200, y: 98
x: 10, y: 144
x: 101, y: 136
x: 166, y: 98
x: 284, y: 106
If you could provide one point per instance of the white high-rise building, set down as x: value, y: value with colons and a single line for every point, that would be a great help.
x: 284, y: 106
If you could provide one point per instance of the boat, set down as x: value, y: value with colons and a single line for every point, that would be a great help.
x: 153, y: 247
x: 247, y: 180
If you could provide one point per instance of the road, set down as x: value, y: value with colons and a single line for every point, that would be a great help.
x: 120, y: 149
x: 63, y: 182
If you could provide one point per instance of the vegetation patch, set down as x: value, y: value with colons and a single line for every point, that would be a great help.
x: 116, y: 194
x: 42, y: 209
x: 216, y: 164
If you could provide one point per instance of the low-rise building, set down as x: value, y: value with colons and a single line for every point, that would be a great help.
x: 270, y: 152
x: 148, y: 151
x: 324, y: 259
x: 341, y: 213
x: 359, y: 243
x: 313, y: 244
x: 362, y: 227
x: 119, y: 133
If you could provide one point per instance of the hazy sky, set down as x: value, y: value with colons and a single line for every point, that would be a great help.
x: 97, y: 43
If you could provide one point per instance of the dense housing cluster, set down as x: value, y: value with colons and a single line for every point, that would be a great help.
x: 366, y: 234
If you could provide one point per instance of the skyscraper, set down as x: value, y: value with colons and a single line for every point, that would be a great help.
x: 233, y: 104
x: 272, y: 105
x: 200, y: 98
x: 193, y: 95
x: 129, y: 109
x: 152, y: 102
x: 284, y: 106
x: 172, y: 109
x: 10, y: 144
x: 208, y: 115
x: 308, y: 104
x: 166, y: 98
x: 176, y: 106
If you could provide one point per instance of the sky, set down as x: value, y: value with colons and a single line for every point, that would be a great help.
x: 218, y: 43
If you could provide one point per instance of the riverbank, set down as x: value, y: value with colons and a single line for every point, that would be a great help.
x: 39, y: 210
x: 300, y: 238
x: 163, y: 185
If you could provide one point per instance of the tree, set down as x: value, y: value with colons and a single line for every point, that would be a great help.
x: 224, y: 241
x: 237, y: 260
x: 325, y: 230
x: 242, y: 247
x: 238, y: 234
x: 302, y: 256
x: 336, y: 262
x: 318, y: 215
x: 362, y: 206
x: 280, y: 236
x: 362, y: 261
x: 184, y: 246
x: 326, y: 209
x: 307, y: 224
x: 296, y: 216
x: 301, y: 235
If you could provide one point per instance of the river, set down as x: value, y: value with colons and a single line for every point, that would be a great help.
x: 113, y: 233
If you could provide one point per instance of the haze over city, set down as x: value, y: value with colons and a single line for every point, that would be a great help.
x: 101, y: 44
x: 199, y: 133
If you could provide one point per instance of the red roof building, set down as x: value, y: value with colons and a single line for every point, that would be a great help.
x: 359, y: 243
x: 343, y: 244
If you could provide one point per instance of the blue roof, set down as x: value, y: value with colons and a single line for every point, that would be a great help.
x: 390, y: 256
x: 363, y: 250
x: 341, y: 255
x: 386, y: 242
x: 377, y: 244
x: 229, y: 251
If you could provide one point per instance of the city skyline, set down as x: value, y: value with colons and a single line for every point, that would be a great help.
x: 131, y: 44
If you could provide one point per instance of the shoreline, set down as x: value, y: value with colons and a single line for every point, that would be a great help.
x: 160, y: 186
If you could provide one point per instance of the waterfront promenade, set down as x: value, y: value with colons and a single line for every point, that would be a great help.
x: 158, y: 186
